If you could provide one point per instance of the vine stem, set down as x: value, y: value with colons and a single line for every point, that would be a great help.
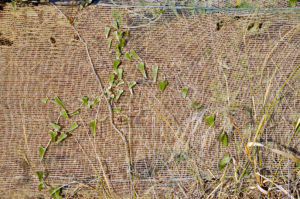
x: 121, y: 134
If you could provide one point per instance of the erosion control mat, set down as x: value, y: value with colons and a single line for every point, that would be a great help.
x: 241, y: 68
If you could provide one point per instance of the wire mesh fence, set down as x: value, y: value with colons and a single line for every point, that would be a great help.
x: 240, y: 65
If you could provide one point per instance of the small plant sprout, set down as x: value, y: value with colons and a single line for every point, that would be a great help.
x: 53, y: 135
x: 155, y: 70
x: 55, y: 126
x: 118, y: 95
x: 162, y: 85
x: 103, y: 119
x: 196, y: 105
x: 85, y: 101
x: 141, y: 67
x: 225, y: 160
x: 111, y: 80
x: 45, y: 100
x: 56, y: 193
x: 74, y: 113
x: 111, y: 99
x: 118, y: 110
x: 59, y: 102
x: 14, y: 5
x: 120, y: 73
x: 73, y: 127
x: 210, y: 120
x: 292, y: 3
x: 61, y: 137
x: 42, y: 151
x: 116, y: 35
x: 93, y: 126
x: 184, y: 91
x: 64, y: 113
x: 107, y: 30
x: 115, y: 24
x: 135, y: 55
x: 118, y: 53
x: 120, y: 82
x: 122, y: 42
x: 41, y: 180
x: 116, y: 64
x: 223, y: 138
x: 131, y: 85
x: 128, y: 56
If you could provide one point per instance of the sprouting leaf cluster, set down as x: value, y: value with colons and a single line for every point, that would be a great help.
x: 117, y: 41
x: 58, y: 134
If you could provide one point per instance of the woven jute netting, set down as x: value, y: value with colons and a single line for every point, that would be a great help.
x: 235, y: 62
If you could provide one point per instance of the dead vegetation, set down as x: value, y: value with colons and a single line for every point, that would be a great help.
x: 243, y: 69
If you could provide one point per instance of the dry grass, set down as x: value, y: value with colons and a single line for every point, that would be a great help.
x: 247, y: 77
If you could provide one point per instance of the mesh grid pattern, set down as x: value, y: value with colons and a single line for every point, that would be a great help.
x: 218, y: 54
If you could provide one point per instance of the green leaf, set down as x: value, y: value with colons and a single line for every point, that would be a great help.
x: 134, y: 54
x: 131, y: 85
x: 109, y: 41
x: 120, y: 73
x: 292, y: 3
x: 73, y: 127
x: 117, y: 36
x: 42, y: 151
x: 120, y: 83
x: 93, y: 125
x: 61, y: 137
x: 53, y: 135
x: 118, y: 95
x: 162, y: 85
x: 45, y: 100
x: 85, y: 101
x: 128, y: 56
x: 122, y: 42
x: 103, y: 119
x: 127, y: 33
x: 124, y: 117
x: 141, y: 67
x: 40, y: 175
x: 14, y: 5
x: 298, y: 164
x: 210, y: 120
x: 223, y: 138
x: 115, y: 24
x: 111, y: 79
x: 55, y: 126
x: 107, y: 30
x: 41, y: 186
x: 184, y: 91
x: 155, y: 70
x: 225, y: 160
x: 96, y: 101
x: 55, y: 193
x: 118, y: 110
x: 196, y: 105
x: 74, y: 112
x: 118, y: 54
x: 243, y: 4
x: 116, y: 63
x: 58, y: 102
x: 64, y: 113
